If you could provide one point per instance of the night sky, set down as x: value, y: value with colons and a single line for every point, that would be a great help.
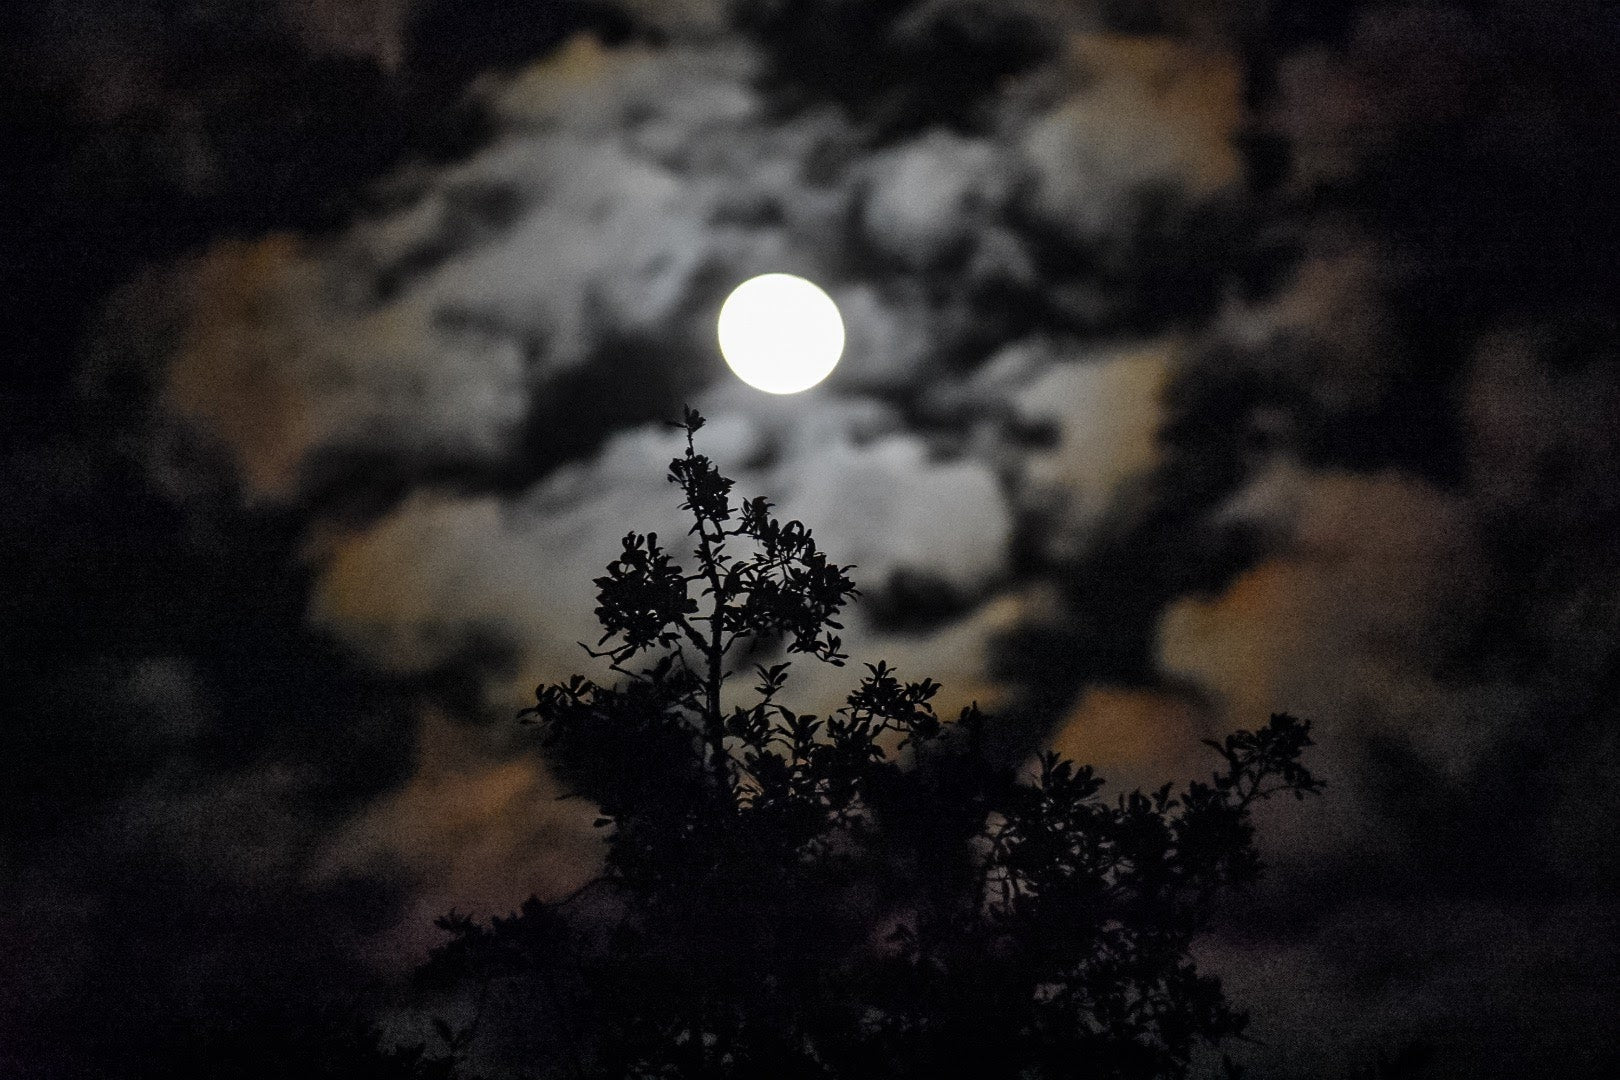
x: 1204, y: 360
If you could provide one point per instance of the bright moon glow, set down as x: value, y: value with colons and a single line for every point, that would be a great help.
x: 780, y: 333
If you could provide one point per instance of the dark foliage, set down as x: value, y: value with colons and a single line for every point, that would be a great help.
x: 864, y: 894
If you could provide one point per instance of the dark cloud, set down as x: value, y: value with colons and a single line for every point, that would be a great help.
x: 898, y: 65
x: 177, y: 745
x: 456, y: 43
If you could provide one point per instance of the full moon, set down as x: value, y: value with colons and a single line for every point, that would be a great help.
x: 780, y: 333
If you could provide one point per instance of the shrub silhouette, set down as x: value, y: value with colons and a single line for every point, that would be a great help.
x: 864, y: 894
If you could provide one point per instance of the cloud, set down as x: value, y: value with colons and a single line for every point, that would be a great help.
x: 626, y: 187
x: 1152, y: 115
x: 474, y: 830
x: 411, y: 589
x: 271, y: 327
x: 1374, y: 584
x: 1106, y: 412
x: 929, y: 197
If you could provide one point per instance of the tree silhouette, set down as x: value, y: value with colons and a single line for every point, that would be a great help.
x: 863, y: 894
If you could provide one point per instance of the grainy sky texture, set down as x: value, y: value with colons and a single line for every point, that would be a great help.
x: 1205, y: 360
